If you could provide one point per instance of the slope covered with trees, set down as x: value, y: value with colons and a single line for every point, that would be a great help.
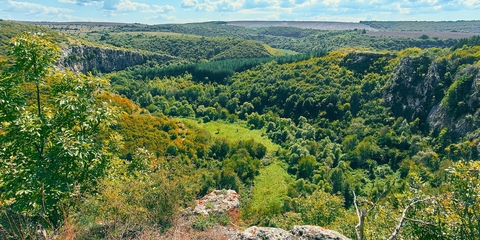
x: 373, y: 144
x: 188, y: 47
x: 290, y: 38
x: 374, y: 124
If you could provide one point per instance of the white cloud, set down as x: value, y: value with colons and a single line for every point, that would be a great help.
x: 163, y: 9
x: 128, y: 5
x: 331, y: 2
x: 33, y: 8
x: 81, y: 2
x: 215, y: 5
x: 402, y: 10
x: 269, y: 3
x: 68, y: 1
x: 205, y: 6
x: 189, y: 3
x: 472, y: 3
x: 160, y: 9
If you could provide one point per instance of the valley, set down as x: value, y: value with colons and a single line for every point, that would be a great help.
x: 116, y: 131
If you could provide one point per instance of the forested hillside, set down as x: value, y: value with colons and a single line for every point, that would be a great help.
x: 290, y: 38
x: 378, y: 139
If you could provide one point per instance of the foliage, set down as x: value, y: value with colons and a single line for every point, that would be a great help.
x: 12, y: 29
x: 55, y: 138
x: 145, y: 192
x: 456, y: 93
x: 189, y: 47
x: 454, y: 213
x: 319, y: 208
x: 287, y: 38
x: 469, y: 42
x: 296, y: 136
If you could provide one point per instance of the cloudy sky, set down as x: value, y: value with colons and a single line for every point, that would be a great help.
x: 181, y: 11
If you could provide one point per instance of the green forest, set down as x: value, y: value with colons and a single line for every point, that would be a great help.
x: 373, y: 137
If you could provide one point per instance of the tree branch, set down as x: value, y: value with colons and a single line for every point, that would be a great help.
x: 420, y: 221
x: 404, y: 217
x: 361, y: 219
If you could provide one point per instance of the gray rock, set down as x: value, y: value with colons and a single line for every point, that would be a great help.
x: 218, y: 201
x: 85, y: 58
x: 315, y: 232
x: 264, y: 233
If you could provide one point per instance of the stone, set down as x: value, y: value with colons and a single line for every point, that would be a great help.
x: 308, y: 232
x: 218, y: 201
x: 86, y: 58
x: 264, y: 233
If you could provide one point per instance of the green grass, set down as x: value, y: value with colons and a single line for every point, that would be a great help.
x: 233, y: 131
x: 270, y: 189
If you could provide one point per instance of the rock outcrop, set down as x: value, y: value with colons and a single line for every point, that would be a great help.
x: 86, y: 58
x: 415, y: 88
x: 306, y: 232
x: 316, y: 232
x: 218, y: 201
x: 419, y: 89
x: 264, y: 233
x: 228, y: 202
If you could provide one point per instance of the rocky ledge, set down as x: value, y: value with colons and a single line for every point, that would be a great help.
x: 86, y: 58
x: 228, y: 202
x: 218, y: 201
x: 306, y: 232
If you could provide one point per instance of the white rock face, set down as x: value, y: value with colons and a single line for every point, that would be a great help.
x: 218, y: 201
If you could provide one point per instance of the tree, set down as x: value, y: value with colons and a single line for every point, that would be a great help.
x: 306, y: 166
x: 56, y: 143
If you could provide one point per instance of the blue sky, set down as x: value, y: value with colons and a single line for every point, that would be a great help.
x: 181, y: 11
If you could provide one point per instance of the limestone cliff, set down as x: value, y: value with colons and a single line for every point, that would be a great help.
x: 440, y: 93
x: 86, y: 58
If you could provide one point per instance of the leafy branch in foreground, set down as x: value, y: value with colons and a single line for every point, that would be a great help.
x: 55, y: 137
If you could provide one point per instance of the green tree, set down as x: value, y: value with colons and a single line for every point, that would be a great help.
x: 306, y: 166
x: 56, y: 143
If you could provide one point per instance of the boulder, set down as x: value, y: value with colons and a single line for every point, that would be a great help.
x: 264, y: 233
x: 218, y: 201
x: 315, y: 232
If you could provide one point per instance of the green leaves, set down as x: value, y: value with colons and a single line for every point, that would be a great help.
x: 55, y: 143
x: 34, y: 56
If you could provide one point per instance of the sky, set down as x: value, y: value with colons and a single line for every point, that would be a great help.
x: 184, y: 11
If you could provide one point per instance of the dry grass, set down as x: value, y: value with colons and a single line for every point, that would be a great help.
x: 182, y: 230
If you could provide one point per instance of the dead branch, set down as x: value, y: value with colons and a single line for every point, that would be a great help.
x: 420, y: 221
x: 361, y: 219
x: 404, y: 217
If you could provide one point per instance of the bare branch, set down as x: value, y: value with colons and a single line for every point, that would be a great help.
x: 420, y: 221
x: 361, y: 219
x: 404, y: 216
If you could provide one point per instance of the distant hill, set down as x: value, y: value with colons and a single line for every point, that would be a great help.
x: 426, y: 26
x: 420, y: 34
x: 304, y: 24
